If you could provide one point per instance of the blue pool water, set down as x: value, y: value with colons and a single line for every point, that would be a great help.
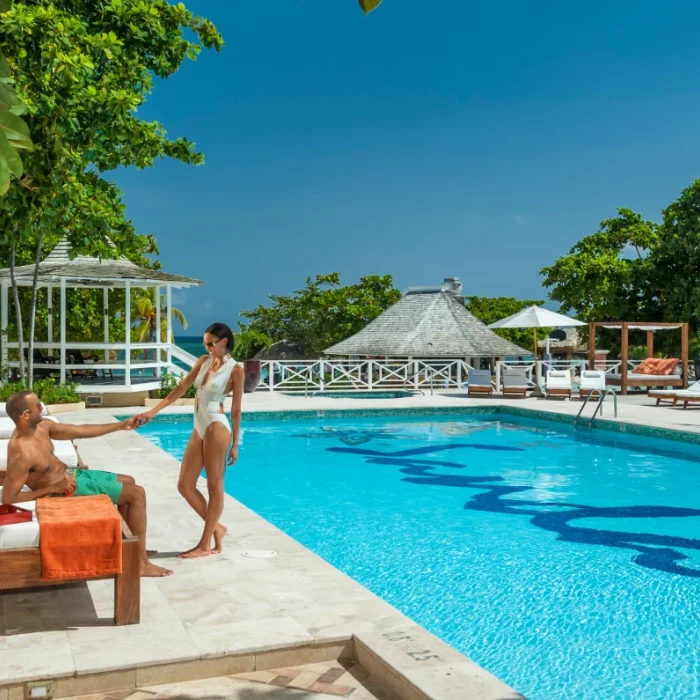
x: 566, y: 564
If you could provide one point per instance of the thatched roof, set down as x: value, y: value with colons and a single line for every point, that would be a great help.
x: 423, y: 324
x: 284, y: 350
x: 84, y: 270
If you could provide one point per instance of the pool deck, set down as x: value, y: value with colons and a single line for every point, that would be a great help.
x: 231, y: 605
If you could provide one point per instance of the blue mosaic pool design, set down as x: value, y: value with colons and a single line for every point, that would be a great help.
x: 565, y: 562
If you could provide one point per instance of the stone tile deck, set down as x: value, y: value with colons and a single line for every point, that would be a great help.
x: 232, y: 605
x: 333, y: 679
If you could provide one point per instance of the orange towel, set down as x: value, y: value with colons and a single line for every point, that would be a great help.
x: 79, y: 538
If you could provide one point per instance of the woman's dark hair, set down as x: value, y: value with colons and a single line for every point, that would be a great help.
x: 221, y: 330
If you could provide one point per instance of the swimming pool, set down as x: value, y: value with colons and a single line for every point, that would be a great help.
x: 565, y: 563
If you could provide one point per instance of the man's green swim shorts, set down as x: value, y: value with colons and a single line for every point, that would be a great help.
x: 89, y: 482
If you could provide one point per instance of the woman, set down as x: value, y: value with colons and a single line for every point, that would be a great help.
x: 215, y: 375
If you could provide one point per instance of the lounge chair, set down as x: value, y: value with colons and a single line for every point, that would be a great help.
x: 592, y: 381
x: 558, y: 383
x: 673, y: 395
x: 20, y: 566
x: 479, y: 382
x: 40, y: 359
x: 515, y: 382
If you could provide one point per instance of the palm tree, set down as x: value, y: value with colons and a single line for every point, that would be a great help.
x: 144, y: 325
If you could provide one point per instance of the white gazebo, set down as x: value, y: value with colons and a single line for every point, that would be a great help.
x: 61, y: 271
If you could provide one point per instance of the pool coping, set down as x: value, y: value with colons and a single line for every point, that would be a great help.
x: 607, y: 424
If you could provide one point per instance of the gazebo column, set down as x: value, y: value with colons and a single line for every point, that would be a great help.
x: 169, y: 323
x: 624, y: 354
x: 159, y: 357
x: 62, y: 365
x: 105, y: 316
x: 127, y: 324
x: 49, y: 320
x: 3, y: 325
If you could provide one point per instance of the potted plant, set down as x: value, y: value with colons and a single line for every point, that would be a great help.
x: 249, y: 344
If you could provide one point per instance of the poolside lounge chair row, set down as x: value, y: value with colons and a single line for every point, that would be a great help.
x: 558, y: 383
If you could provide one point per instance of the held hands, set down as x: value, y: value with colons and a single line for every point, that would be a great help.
x: 142, y: 419
x: 232, y: 456
x: 130, y: 423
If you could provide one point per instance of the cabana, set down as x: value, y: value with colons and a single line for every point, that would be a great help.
x: 626, y: 378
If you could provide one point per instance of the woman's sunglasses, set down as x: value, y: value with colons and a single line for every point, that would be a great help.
x: 209, y: 346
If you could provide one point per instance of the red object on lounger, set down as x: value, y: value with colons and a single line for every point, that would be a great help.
x: 11, y: 515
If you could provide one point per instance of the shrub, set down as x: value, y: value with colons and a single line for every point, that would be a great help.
x: 169, y: 382
x: 46, y: 389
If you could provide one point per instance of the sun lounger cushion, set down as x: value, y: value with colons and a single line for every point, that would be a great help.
x: 3, y: 412
x: 20, y: 535
x: 7, y: 427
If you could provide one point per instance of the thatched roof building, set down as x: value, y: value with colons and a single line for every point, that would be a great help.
x: 427, y: 322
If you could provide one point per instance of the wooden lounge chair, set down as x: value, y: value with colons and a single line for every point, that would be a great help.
x: 479, y: 382
x: 514, y: 382
x: 558, y: 384
x: 592, y: 381
x: 674, y: 395
x: 20, y: 568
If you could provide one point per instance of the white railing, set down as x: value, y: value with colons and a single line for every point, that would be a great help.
x: 361, y: 375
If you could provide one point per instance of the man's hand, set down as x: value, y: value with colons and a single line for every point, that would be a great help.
x: 130, y: 423
x: 66, y: 486
x: 144, y: 418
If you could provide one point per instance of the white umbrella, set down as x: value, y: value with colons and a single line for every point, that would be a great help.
x: 536, y: 317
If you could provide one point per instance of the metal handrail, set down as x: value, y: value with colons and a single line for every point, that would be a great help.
x: 599, y: 407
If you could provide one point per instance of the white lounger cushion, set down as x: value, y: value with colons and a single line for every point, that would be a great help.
x: 63, y: 449
x: 3, y: 412
x: 20, y: 535
x: 558, y: 379
x: 592, y: 379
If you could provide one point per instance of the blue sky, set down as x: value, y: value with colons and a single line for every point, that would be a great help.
x: 429, y: 139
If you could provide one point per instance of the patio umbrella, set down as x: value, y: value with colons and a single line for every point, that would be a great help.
x: 536, y: 317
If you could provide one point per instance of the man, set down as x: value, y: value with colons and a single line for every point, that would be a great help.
x: 31, y: 462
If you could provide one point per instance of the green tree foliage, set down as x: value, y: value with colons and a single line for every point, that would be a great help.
x: 607, y: 275
x: 675, y: 268
x: 491, y: 309
x: 144, y: 316
x: 324, y: 312
x: 83, y: 69
x: 14, y: 133
x: 369, y: 5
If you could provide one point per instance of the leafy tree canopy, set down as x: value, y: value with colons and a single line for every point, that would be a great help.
x: 606, y: 275
x: 491, y: 309
x: 324, y: 312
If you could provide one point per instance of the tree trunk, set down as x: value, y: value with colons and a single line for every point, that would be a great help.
x: 32, y: 320
x: 18, y: 308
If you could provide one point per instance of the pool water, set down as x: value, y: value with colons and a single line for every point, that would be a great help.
x: 566, y: 563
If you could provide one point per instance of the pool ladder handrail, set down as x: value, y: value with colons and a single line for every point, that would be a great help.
x: 599, y: 407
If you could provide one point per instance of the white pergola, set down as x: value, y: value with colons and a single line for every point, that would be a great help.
x: 59, y: 270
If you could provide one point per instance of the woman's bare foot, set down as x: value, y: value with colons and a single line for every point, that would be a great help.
x: 196, y: 553
x: 219, y: 534
x: 153, y: 571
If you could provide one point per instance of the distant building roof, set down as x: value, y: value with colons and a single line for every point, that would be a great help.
x: 427, y: 322
x: 84, y: 270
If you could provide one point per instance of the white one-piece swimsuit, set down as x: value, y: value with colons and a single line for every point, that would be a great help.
x: 210, y: 397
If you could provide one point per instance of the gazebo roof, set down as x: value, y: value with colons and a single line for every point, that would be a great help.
x: 88, y: 271
x: 427, y: 323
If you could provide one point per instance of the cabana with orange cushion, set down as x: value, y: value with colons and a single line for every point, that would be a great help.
x: 652, y: 372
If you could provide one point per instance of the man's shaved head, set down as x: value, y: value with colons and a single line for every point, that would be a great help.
x: 18, y: 403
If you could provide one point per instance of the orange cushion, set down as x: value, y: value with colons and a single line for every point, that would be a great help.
x: 647, y: 366
x: 666, y: 367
